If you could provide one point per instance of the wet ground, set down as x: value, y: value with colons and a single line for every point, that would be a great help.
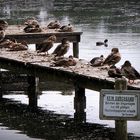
x: 43, y: 124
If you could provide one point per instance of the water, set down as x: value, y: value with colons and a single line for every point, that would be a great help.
x: 118, y: 21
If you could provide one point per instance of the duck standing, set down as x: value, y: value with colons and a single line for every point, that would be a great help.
x: 130, y: 72
x: 47, y: 44
x: 113, y: 58
x: 62, y: 48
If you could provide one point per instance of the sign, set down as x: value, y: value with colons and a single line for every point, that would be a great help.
x: 116, y: 104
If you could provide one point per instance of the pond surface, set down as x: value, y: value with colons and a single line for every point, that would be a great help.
x: 117, y: 21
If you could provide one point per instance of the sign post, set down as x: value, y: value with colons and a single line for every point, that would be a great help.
x: 120, y: 105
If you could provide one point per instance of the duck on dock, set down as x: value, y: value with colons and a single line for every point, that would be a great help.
x: 113, y: 58
x: 2, y: 34
x: 47, y: 44
x: 62, y: 48
x: 65, y: 62
x: 32, y: 26
x: 54, y: 25
x: 102, y: 43
x: 130, y: 72
x: 114, y: 72
x: 66, y: 28
x: 3, y: 24
x: 18, y: 46
x: 97, y: 61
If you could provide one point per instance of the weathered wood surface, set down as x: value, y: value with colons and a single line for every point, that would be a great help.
x: 38, y: 65
x: 16, y: 31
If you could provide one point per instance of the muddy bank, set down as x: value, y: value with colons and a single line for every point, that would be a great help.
x: 48, y: 125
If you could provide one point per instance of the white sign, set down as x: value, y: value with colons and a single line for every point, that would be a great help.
x: 114, y: 104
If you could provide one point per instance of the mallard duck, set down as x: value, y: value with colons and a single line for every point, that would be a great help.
x: 65, y: 62
x: 47, y: 44
x: 97, y: 61
x: 54, y: 25
x: 113, y: 58
x: 3, y: 24
x: 32, y: 29
x: 15, y: 46
x: 130, y: 72
x: 114, y: 72
x: 62, y: 48
x: 6, y: 43
x: 102, y: 43
x: 2, y: 34
x: 31, y: 21
x: 66, y: 28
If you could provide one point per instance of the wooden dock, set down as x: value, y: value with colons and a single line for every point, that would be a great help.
x: 38, y: 67
x: 17, y: 32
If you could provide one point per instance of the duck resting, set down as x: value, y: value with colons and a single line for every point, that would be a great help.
x: 54, y: 25
x: 97, y: 61
x: 130, y: 72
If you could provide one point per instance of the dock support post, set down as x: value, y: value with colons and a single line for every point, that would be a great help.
x: 76, y: 49
x: 80, y: 104
x: 121, y: 125
x: 33, y: 91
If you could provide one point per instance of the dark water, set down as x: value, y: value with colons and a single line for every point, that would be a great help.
x: 118, y: 21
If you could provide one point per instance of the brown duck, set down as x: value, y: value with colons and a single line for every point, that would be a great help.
x: 130, y: 72
x: 62, y: 48
x: 97, y: 61
x: 47, y: 44
x: 113, y: 58
x: 65, y: 62
x: 3, y: 25
x: 54, y: 25
x: 2, y: 34
x: 66, y: 28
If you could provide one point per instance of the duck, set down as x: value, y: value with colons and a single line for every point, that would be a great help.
x: 114, y: 72
x: 18, y: 46
x: 66, y: 62
x: 47, y: 44
x: 102, y: 43
x: 62, y: 48
x: 2, y: 34
x: 3, y: 24
x: 66, y: 28
x: 54, y: 25
x: 31, y: 22
x: 6, y: 43
x: 32, y: 29
x: 97, y: 61
x: 130, y: 72
x: 113, y: 58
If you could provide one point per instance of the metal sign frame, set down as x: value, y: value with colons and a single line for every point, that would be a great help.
x: 119, y: 104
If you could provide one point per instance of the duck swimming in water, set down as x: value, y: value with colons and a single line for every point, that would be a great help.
x: 130, y: 72
x: 102, y: 43
x: 97, y: 61
x: 62, y: 48
x: 54, y: 25
x: 113, y: 58
x: 46, y: 45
